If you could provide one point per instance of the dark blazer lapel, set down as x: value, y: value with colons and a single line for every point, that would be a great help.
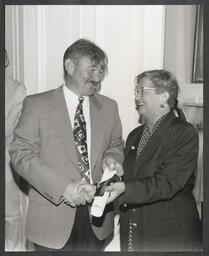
x: 154, y: 143
x: 61, y: 120
x: 132, y: 143
x: 97, y: 128
x: 130, y: 152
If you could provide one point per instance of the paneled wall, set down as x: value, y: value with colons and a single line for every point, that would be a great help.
x: 132, y: 36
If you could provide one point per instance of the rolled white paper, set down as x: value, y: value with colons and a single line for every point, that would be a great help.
x: 107, y: 175
x: 98, y: 205
x: 99, y: 202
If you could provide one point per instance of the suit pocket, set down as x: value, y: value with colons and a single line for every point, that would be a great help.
x: 36, y: 197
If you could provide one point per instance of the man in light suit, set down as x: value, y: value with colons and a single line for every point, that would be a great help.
x: 44, y: 153
x: 15, y: 93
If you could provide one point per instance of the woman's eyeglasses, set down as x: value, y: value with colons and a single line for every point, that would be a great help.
x: 143, y: 90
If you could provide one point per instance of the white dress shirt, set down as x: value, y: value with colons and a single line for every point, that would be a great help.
x: 71, y: 100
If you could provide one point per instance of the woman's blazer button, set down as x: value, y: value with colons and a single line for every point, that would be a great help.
x: 133, y: 147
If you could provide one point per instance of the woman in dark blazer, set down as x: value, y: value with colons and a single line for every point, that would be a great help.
x: 158, y: 210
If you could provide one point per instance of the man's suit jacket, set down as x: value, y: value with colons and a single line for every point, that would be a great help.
x: 44, y: 154
x: 14, y: 95
x: 158, y: 188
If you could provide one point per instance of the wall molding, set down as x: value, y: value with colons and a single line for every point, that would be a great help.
x: 15, y: 45
x: 87, y: 15
x: 138, y: 42
x: 41, y: 47
x: 74, y: 22
x: 99, y: 35
x: 154, y: 26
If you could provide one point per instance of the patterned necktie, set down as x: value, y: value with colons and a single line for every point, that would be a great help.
x: 80, y: 137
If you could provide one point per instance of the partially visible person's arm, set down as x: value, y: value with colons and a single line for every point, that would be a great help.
x: 14, y: 113
x: 178, y: 164
x: 13, y: 218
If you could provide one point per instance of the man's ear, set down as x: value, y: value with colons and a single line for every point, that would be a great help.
x: 69, y: 66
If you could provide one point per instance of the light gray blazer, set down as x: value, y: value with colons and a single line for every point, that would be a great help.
x: 44, y: 154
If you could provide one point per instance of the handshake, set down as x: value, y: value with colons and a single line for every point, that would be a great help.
x: 79, y: 192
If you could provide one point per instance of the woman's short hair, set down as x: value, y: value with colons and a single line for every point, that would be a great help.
x: 85, y: 48
x: 163, y: 81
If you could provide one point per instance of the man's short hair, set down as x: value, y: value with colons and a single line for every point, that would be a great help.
x: 85, y: 48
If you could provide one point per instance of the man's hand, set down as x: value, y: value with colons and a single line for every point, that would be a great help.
x: 115, y: 189
x: 87, y: 191
x: 112, y: 164
x: 71, y: 195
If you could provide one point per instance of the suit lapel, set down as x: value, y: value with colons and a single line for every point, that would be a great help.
x: 133, y: 142
x: 60, y: 118
x: 153, y: 143
x: 130, y: 152
x: 97, y: 128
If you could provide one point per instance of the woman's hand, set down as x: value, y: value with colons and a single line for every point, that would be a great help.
x: 111, y: 164
x: 115, y: 189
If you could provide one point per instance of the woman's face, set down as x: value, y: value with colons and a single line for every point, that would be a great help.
x: 146, y: 99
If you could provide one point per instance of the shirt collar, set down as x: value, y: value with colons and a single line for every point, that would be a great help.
x: 72, y: 96
x: 156, y: 124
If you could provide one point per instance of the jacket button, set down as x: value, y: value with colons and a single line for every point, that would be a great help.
x: 134, y: 210
x: 125, y: 205
x: 134, y: 224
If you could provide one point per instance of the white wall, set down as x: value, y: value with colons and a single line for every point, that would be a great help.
x: 179, y: 47
x: 132, y: 36
x: 128, y: 35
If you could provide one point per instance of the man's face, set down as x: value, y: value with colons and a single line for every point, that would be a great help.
x: 86, y: 77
